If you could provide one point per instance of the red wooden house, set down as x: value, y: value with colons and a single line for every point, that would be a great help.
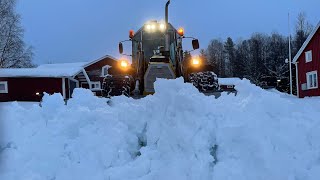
x: 29, y: 84
x: 307, y: 62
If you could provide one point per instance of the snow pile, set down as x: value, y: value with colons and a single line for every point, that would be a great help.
x: 177, y: 133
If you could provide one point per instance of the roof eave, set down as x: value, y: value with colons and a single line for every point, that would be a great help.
x: 95, y: 61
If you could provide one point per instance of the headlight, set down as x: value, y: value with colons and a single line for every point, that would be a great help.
x: 124, y: 64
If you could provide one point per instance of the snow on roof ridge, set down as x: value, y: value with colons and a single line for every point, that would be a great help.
x: 50, y: 70
x: 63, y: 65
x: 39, y: 72
x: 99, y: 59
x: 83, y: 63
x: 67, y: 63
x: 305, y: 44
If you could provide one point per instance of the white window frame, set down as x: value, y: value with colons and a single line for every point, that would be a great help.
x: 103, y: 73
x: 97, y: 85
x: 5, y: 91
x: 308, y: 54
x: 312, y: 73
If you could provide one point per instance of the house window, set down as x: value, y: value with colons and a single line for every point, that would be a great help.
x: 96, y: 85
x: 85, y: 85
x: 308, y: 56
x: 312, y: 80
x: 3, y: 87
x: 105, y: 70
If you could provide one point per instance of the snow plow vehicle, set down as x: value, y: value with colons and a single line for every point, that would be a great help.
x: 157, y: 53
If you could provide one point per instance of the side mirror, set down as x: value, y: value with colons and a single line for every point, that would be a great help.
x: 120, y: 48
x: 195, y: 44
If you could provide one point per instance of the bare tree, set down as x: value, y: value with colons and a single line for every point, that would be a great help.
x: 302, y: 31
x: 257, y: 57
x: 215, y: 56
x: 13, y: 50
x: 277, y: 50
x: 241, y: 68
x: 203, y: 56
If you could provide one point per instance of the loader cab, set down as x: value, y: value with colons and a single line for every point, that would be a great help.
x: 156, y: 53
x: 151, y: 38
x: 155, y: 48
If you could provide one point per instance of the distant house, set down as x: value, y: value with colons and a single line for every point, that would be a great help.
x: 30, y: 84
x: 307, y: 62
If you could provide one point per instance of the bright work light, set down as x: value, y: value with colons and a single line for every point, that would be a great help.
x: 162, y: 26
x: 124, y: 64
x: 148, y: 27
x: 195, y: 61
x: 153, y: 26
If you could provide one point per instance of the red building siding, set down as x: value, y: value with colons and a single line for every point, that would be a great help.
x: 305, y: 67
x: 25, y: 89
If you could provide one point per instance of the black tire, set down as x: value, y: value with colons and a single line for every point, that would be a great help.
x: 204, y: 81
x: 117, y: 86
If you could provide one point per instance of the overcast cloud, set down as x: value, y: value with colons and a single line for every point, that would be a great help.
x: 83, y: 30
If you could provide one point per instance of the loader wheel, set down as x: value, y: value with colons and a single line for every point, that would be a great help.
x: 126, y: 89
x: 116, y: 86
x: 205, y: 81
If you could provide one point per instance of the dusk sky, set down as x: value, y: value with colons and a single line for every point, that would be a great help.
x: 83, y: 30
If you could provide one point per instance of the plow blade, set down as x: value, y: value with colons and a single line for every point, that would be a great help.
x: 229, y: 89
x: 218, y: 93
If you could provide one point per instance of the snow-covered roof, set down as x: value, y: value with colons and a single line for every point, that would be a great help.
x: 64, y: 65
x: 45, y: 70
x: 305, y: 44
x: 50, y: 70
x: 40, y: 72
x: 92, y: 62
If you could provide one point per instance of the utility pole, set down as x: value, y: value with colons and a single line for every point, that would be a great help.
x: 290, y: 54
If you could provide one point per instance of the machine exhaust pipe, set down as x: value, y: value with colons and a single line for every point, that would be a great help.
x: 167, y: 13
x: 167, y: 39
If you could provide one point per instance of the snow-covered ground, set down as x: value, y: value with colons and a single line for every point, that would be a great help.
x: 27, y: 105
x: 177, y: 133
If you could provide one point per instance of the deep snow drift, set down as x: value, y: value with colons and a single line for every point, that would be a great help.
x: 177, y: 133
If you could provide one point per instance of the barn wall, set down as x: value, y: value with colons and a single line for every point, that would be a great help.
x: 304, y: 67
x: 25, y: 89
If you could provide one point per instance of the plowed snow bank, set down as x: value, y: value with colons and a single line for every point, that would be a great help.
x: 176, y: 134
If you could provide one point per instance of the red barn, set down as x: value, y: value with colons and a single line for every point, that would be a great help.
x: 307, y: 62
x: 30, y: 84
